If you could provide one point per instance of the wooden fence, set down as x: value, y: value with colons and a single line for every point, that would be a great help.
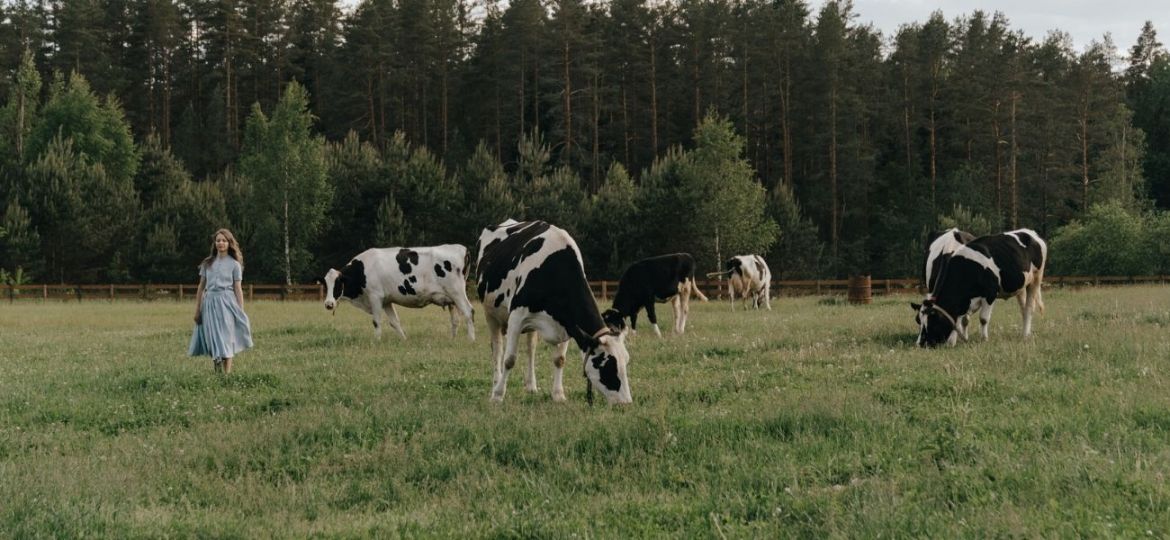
x: 603, y: 290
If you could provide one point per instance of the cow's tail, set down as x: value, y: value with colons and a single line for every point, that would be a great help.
x: 717, y: 274
x: 698, y: 291
x: 1040, y: 291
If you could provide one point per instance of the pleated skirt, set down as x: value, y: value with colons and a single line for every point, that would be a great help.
x: 225, y: 330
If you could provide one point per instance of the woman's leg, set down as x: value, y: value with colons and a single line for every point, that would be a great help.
x: 227, y: 365
x: 216, y: 364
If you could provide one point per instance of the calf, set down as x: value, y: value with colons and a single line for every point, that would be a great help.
x: 750, y: 276
x: 938, y: 253
x: 656, y: 279
x: 531, y: 279
x: 379, y: 278
x: 987, y: 268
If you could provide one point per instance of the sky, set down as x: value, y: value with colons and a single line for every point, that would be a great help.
x: 1083, y: 20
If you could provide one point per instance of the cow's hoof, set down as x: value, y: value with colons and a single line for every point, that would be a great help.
x: 558, y: 397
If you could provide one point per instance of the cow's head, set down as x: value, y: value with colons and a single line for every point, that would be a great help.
x: 935, y: 326
x: 348, y: 282
x: 615, y: 321
x: 605, y: 360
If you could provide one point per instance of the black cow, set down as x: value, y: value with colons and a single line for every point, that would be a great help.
x: 531, y: 279
x: 987, y: 268
x: 665, y: 278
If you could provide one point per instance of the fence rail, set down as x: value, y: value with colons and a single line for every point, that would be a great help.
x: 602, y: 289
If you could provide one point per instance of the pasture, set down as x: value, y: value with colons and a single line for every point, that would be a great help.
x: 816, y: 419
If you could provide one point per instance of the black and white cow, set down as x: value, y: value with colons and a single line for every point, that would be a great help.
x: 379, y: 278
x: 531, y: 279
x: 665, y: 278
x: 938, y: 253
x: 986, y: 268
x: 750, y: 277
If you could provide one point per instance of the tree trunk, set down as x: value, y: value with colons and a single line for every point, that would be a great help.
x: 567, y: 102
x: 596, y: 133
x: 1015, y: 180
x: 287, y: 251
x: 834, y: 226
x: 522, y: 94
x: 998, y: 162
x: 653, y: 102
x: 785, y: 112
x: 625, y: 124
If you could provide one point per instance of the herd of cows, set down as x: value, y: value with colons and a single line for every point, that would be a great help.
x: 531, y: 280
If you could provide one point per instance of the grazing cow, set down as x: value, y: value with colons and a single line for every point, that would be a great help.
x: 987, y: 268
x: 379, y: 278
x: 750, y: 277
x: 937, y: 254
x: 531, y: 279
x: 655, y: 279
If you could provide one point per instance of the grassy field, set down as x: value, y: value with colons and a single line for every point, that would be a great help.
x: 816, y: 419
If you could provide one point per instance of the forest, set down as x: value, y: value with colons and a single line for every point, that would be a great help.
x: 130, y: 130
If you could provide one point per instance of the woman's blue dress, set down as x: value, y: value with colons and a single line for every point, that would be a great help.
x: 225, y: 330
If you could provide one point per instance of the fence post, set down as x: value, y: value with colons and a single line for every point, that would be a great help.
x: 604, y: 290
x: 249, y: 293
x: 45, y: 291
x: 11, y: 293
x: 111, y: 291
x: 180, y: 292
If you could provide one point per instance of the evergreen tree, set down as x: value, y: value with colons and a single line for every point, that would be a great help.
x: 726, y: 202
x: 285, y: 165
x: 609, y: 242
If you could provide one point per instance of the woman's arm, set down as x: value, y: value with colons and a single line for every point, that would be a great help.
x: 199, y: 302
x: 239, y: 293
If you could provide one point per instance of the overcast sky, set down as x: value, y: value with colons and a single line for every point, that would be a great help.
x: 1084, y: 20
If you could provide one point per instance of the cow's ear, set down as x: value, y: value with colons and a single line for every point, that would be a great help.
x: 917, y: 307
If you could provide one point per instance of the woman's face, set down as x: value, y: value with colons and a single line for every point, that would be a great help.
x: 221, y: 244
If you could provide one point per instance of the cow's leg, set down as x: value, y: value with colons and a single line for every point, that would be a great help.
x: 392, y: 318
x: 768, y: 295
x: 496, y: 336
x: 681, y: 310
x: 376, y: 312
x: 508, y: 359
x: 468, y: 313
x: 731, y: 292
x: 454, y: 321
x: 1027, y: 306
x: 985, y: 318
x: 558, y: 379
x: 653, y: 317
x: 530, y: 374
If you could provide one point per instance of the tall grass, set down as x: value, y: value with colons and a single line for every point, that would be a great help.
x: 815, y: 419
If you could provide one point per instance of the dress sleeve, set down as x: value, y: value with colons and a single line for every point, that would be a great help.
x: 202, y: 271
x: 237, y: 272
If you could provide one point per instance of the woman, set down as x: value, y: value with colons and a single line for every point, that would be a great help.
x: 221, y: 327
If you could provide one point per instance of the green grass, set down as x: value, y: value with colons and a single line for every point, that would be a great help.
x: 816, y: 419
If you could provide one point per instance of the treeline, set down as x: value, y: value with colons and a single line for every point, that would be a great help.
x: 132, y: 129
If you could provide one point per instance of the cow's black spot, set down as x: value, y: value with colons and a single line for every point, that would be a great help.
x: 352, y: 280
x: 413, y: 279
x: 759, y: 268
x: 501, y: 256
x: 607, y: 368
x: 406, y: 257
x: 406, y: 289
x: 439, y: 271
x: 499, y: 300
x: 517, y: 282
x: 447, y: 265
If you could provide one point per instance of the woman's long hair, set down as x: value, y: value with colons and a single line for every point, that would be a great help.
x: 233, y: 248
